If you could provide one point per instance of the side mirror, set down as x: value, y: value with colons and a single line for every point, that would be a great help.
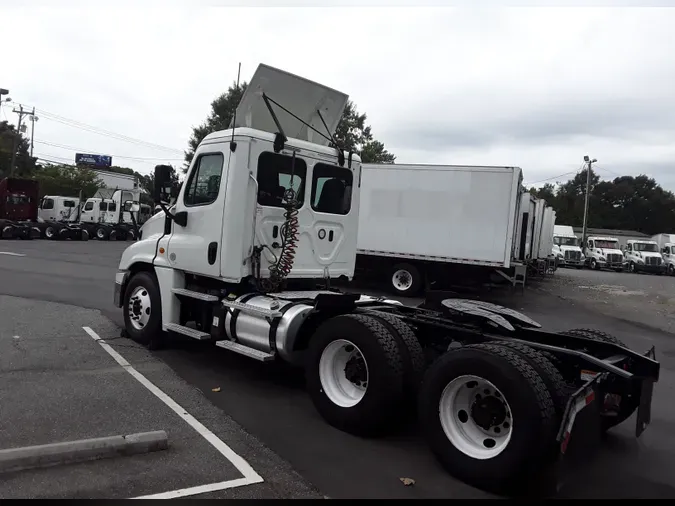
x: 163, y: 187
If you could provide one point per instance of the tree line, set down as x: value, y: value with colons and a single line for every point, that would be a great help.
x: 626, y: 203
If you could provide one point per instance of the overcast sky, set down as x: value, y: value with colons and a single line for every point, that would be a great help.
x: 534, y: 87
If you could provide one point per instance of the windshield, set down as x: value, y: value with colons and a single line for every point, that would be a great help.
x: 642, y: 246
x: 607, y: 244
x: 566, y: 241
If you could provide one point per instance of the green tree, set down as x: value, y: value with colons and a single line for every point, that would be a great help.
x: 352, y: 132
x: 222, y: 112
x: 66, y: 180
x: 546, y: 192
x: 25, y: 164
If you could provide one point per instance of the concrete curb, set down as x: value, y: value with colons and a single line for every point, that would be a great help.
x: 29, y: 457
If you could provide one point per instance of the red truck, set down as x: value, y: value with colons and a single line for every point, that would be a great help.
x: 19, y: 209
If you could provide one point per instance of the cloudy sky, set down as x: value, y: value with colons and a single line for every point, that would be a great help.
x: 537, y: 87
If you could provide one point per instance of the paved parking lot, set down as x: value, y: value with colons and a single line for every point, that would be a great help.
x: 58, y: 384
x: 270, y: 404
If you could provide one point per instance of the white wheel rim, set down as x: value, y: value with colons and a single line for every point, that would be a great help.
x: 402, y: 280
x: 467, y: 401
x: 139, y: 308
x: 100, y: 233
x: 49, y: 233
x: 343, y: 373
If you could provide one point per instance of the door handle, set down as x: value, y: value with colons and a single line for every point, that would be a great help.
x: 212, y: 252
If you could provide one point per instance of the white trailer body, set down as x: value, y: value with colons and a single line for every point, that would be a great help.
x: 525, y: 228
x: 663, y: 239
x: 437, y: 214
x: 546, y: 240
x: 537, y: 226
x: 666, y: 244
x: 116, y: 180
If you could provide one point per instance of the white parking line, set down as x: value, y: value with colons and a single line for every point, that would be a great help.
x: 11, y: 253
x: 250, y: 476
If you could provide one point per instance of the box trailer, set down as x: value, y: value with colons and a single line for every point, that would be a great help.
x: 666, y: 244
x: 525, y: 228
x: 419, y: 223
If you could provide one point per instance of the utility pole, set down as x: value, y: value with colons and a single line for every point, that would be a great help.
x: 588, y: 190
x: 17, y: 136
x: 33, y: 119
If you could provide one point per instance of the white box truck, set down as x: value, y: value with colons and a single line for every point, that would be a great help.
x: 666, y: 244
x: 422, y: 224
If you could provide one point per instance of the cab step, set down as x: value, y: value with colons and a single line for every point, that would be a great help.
x: 250, y: 309
x: 194, y: 295
x: 245, y: 350
x: 187, y: 331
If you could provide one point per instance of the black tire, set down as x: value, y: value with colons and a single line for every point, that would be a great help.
x: 415, y: 277
x: 51, y: 232
x: 631, y: 268
x: 412, y: 355
x: 594, y: 264
x: 131, y: 235
x: 630, y: 400
x: 531, y: 407
x: 671, y: 270
x: 102, y: 234
x: 151, y: 335
x: 84, y: 235
x: 374, y: 413
x: 549, y: 373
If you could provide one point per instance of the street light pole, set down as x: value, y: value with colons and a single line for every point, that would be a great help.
x: 588, y: 190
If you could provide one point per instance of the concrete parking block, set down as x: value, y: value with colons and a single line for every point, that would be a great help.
x: 30, y: 457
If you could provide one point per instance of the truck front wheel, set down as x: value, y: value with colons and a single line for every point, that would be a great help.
x: 487, y: 416
x: 143, y: 310
x: 102, y: 234
x: 355, y: 374
x: 51, y: 233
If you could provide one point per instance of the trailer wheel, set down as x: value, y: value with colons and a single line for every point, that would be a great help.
x: 143, y: 310
x: 84, y: 235
x: 630, y: 398
x: 406, y: 279
x: 412, y: 355
x: 547, y: 370
x: 131, y: 235
x: 355, y: 374
x: 102, y: 234
x: 487, y: 416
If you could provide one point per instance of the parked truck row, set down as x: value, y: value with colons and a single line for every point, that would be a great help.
x: 655, y: 255
x: 23, y: 215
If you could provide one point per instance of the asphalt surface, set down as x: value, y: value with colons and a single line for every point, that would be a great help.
x: 57, y: 384
x: 646, y: 299
x: 269, y: 402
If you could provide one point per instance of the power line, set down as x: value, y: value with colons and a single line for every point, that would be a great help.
x: 100, y: 131
x: 550, y: 178
x: 82, y: 150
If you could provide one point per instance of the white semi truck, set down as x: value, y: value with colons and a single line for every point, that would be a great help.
x: 112, y: 218
x: 244, y: 260
x: 603, y: 253
x: 666, y: 244
x: 643, y: 256
x: 433, y: 224
x: 566, y: 247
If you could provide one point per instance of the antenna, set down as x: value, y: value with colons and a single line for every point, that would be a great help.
x: 233, y: 145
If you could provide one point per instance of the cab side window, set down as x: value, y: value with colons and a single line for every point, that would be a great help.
x: 89, y: 206
x: 276, y: 175
x: 47, y: 204
x: 590, y: 244
x: 331, y: 189
x: 203, y: 185
x: 112, y: 206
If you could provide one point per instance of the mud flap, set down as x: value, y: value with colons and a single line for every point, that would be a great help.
x: 578, y: 401
x: 644, y: 414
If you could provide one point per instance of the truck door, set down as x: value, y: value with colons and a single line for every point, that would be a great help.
x: 89, y: 212
x: 196, y: 247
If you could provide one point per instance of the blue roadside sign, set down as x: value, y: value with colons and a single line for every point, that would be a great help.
x: 93, y: 160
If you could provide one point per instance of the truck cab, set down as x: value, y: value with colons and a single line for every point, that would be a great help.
x: 566, y: 247
x: 643, y: 256
x: 668, y: 253
x: 59, y: 208
x: 604, y: 253
x: 112, y: 218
